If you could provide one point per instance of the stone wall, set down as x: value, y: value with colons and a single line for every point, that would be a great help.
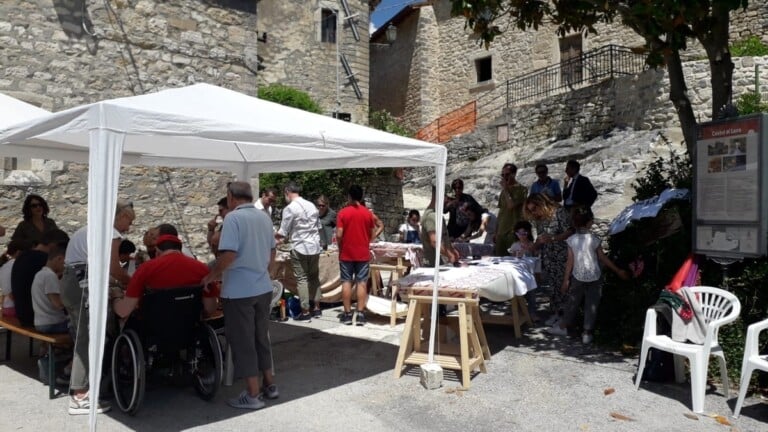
x: 513, y: 53
x: 62, y: 53
x: 294, y: 54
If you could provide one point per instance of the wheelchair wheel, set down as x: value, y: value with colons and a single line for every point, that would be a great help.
x: 128, y: 372
x: 207, y: 368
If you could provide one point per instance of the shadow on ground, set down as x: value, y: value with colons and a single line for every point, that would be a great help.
x: 308, y: 361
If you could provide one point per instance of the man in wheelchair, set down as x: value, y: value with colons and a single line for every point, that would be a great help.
x: 163, y: 307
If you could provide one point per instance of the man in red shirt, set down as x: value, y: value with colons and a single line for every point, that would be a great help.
x: 354, y: 230
x: 169, y: 269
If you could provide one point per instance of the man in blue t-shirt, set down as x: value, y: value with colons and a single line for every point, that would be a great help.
x: 546, y: 185
x: 246, y: 253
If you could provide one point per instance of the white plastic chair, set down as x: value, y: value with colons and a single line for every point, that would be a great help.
x: 719, y: 307
x: 752, y: 360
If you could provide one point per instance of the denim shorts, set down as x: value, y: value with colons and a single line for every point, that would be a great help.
x: 354, y: 271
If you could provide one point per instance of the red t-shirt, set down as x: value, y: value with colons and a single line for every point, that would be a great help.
x: 357, y: 222
x: 172, y: 270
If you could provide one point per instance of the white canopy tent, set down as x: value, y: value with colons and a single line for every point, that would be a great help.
x: 207, y: 127
x: 13, y: 111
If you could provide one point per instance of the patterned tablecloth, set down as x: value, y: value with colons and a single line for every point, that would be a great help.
x: 385, y: 251
x: 496, y: 279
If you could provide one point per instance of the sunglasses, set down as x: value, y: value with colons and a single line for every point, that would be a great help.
x: 35, y: 205
x: 541, y: 172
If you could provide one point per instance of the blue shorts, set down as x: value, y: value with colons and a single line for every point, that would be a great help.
x: 354, y: 271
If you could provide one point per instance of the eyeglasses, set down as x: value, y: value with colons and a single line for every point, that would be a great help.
x: 521, y: 233
x: 35, y: 205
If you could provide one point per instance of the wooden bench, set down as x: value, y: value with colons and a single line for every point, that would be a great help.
x: 12, y: 325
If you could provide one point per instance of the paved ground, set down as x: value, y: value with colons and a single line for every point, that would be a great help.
x: 337, y: 377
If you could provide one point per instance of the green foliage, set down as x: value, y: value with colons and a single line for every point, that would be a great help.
x: 751, y: 102
x: 385, y: 121
x: 289, y: 96
x: 622, y: 308
x: 331, y: 183
x: 747, y: 281
x: 676, y: 172
x: 749, y: 47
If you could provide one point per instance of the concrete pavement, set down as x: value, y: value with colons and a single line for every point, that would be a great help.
x: 334, y: 377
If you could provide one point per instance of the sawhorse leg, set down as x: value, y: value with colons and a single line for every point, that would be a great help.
x: 8, y: 344
x: 51, y: 371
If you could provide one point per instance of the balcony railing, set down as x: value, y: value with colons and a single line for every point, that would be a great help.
x: 589, y: 68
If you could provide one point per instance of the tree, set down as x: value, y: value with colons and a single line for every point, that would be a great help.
x: 667, y: 26
x: 332, y: 183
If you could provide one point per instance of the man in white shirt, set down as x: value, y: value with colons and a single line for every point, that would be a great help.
x: 266, y: 201
x: 301, y: 224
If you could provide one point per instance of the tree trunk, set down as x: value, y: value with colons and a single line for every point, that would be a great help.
x: 715, y: 42
x: 678, y: 94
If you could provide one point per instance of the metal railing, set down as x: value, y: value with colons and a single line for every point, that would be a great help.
x: 589, y: 68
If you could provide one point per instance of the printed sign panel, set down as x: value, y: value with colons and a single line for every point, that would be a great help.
x: 729, y: 209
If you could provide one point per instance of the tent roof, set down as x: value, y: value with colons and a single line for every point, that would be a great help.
x: 13, y: 111
x: 211, y: 127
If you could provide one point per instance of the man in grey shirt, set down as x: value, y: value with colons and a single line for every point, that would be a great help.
x: 327, y: 221
x: 246, y: 253
x: 301, y: 224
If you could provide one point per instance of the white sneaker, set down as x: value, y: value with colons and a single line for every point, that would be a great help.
x: 270, y: 392
x: 245, y: 401
x: 587, y: 338
x: 557, y: 330
x: 554, y: 319
x: 83, y: 406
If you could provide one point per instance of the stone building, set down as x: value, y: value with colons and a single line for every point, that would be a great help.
x: 57, y: 54
x: 436, y: 66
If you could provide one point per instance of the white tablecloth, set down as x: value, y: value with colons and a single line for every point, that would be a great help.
x: 497, y: 279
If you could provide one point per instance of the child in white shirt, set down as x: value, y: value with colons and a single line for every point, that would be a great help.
x: 583, y: 277
x: 46, y: 296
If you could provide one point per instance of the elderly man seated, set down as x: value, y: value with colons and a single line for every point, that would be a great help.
x: 169, y: 269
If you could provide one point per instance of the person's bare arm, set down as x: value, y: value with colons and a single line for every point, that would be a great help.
x: 115, y: 269
x: 609, y: 264
x: 125, y: 306
x: 568, y: 271
x: 339, y: 236
x: 55, y: 300
x: 378, y: 229
x: 223, y: 261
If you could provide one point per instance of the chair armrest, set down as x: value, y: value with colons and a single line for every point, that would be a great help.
x: 753, y: 336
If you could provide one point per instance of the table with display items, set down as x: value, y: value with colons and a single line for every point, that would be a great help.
x: 497, y: 279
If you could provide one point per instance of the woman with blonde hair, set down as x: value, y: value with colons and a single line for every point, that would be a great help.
x: 553, y: 227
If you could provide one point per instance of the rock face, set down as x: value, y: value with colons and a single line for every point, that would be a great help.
x: 612, y: 162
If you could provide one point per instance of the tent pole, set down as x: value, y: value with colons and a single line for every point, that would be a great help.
x: 439, y: 199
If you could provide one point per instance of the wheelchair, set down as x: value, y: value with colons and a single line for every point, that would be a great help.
x: 166, y: 333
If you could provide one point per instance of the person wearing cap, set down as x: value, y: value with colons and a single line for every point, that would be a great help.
x: 170, y: 269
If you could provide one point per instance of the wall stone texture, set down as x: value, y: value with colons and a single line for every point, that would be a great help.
x: 295, y: 56
x: 57, y: 54
x: 514, y: 53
